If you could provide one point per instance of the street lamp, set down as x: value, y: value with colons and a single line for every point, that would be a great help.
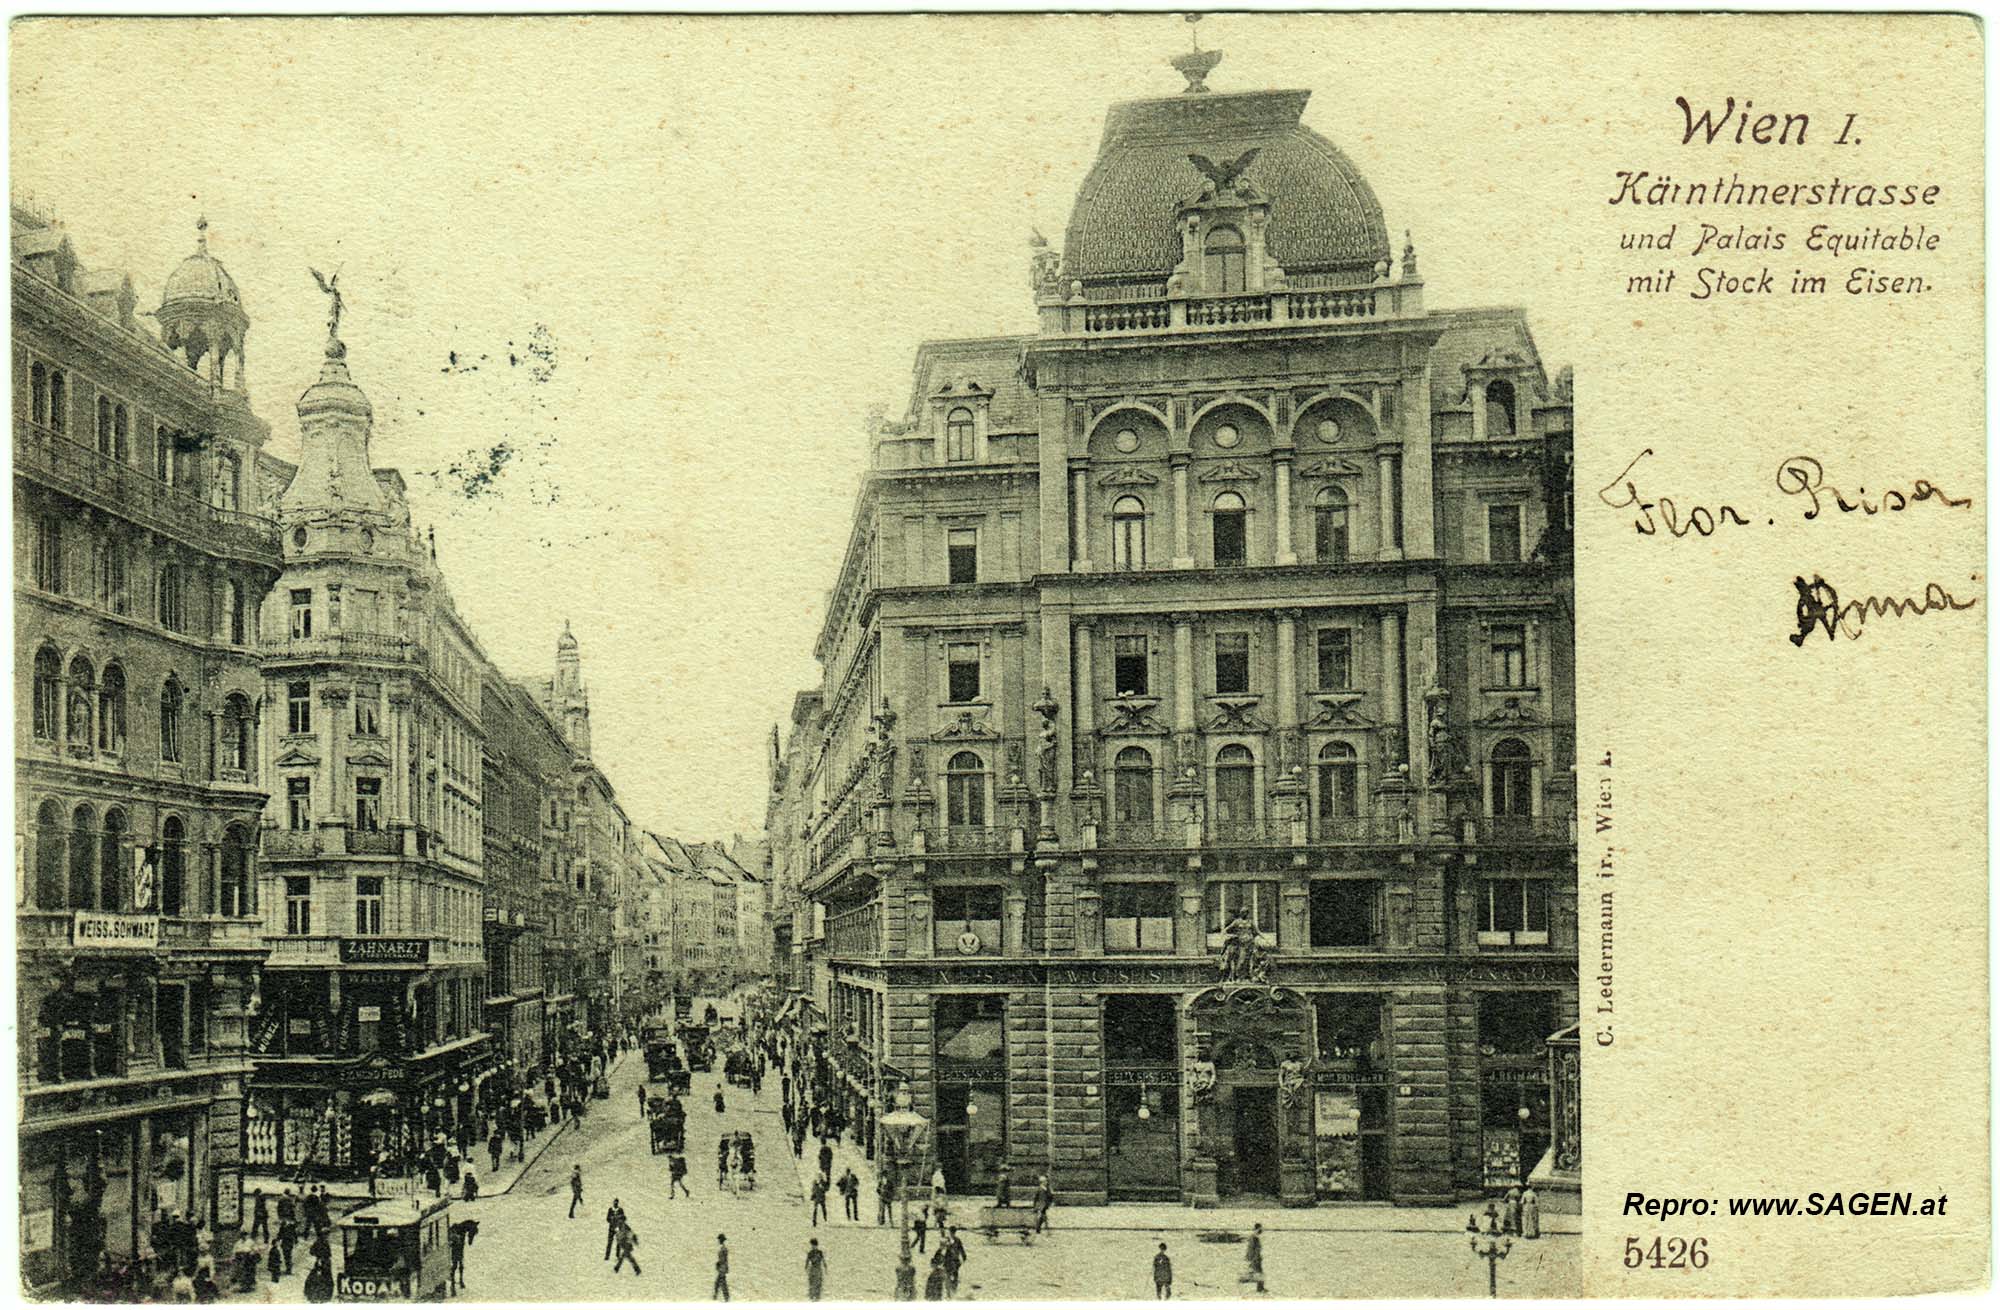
x: 908, y: 1135
x: 1489, y: 1244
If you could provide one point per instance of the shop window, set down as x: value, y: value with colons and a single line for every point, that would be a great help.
x: 1130, y: 667
x: 1223, y: 266
x: 1256, y: 903
x: 1345, y: 912
x: 1330, y: 526
x: 958, y: 435
x: 966, y: 920
x: 1232, y: 663
x: 1228, y: 528
x: 1132, y: 788
x: 962, y: 672
x: 1509, y: 644
x: 970, y: 1060
x: 1516, y: 1023
x: 962, y: 555
x: 965, y: 791
x: 1503, y: 534
x: 1139, y: 916
x: 298, y: 907
x: 1128, y: 533
x: 1514, y: 912
x: 1351, y: 1026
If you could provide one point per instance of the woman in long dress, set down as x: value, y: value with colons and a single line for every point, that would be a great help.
x: 1253, y: 1257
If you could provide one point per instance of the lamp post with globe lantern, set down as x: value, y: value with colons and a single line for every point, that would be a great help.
x: 908, y: 1136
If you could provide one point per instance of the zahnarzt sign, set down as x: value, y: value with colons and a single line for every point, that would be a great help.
x: 385, y: 950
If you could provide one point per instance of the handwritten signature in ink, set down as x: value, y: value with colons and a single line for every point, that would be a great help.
x: 1820, y: 607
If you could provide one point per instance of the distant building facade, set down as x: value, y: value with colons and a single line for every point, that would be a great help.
x: 1188, y: 798
x: 143, y: 549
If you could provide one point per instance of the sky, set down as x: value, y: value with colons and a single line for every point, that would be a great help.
x: 726, y: 238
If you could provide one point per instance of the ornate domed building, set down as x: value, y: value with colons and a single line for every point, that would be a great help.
x: 1188, y: 802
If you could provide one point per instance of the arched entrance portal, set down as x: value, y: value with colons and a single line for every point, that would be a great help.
x: 1248, y: 1100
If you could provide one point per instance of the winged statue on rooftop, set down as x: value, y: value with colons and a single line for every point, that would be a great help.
x: 1223, y: 177
x: 330, y: 285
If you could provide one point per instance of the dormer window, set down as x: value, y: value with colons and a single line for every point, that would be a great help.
x: 958, y: 435
x: 1223, y: 261
x: 1499, y: 409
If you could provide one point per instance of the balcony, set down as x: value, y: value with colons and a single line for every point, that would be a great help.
x: 1360, y: 830
x: 1250, y: 832
x: 373, y: 841
x: 972, y: 841
x: 123, y: 489
x: 345, y: 645
x: 289, y: 844
x: 1121, y: 834
x: 1522, y: 830
x: 213, y: 934
x: 1111, y: 311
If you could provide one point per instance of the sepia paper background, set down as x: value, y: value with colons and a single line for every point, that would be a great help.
x: 1800, y: 984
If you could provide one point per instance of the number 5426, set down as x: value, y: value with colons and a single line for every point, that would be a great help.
x: 1666, y: 1253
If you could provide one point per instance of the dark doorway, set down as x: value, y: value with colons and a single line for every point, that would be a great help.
x: 1254, y: 1113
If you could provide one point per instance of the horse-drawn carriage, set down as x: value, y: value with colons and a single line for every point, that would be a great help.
x: 739, y: 1067
x: 667, y: 1122
x: 699, y: 1045
x: 663, y: 1061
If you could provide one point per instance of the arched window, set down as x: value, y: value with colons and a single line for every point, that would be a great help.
x: 111, y: 863
x: 1128, y: 533
x: 49, y: 558
x: 228, y: 481
x: 1499, y: 409
x: 958, y: 435
x: 965, y: 791
x: 172, y: 611
x: 1223, y: 261
x: 121, y: 434
x: 48, y: 694
x: 1229, y: 531
x: 1235, y: 789
x: 49, y: 856
x: 1132, y: 787
x: 58, y: 400
x: 238, y: 611
x: 170, y: 720
x: 1513, y: 779
x: 236, y: 734
x: 38, y: 385
x: 111, y: 710
x: 173, y: 866
x: 1339, y: 782
x: 1330, y: 526
x: 163, y: 455
x: 83, y: 859
x: 104, y: 443
x: 80, y: 706
x: 233, y: 893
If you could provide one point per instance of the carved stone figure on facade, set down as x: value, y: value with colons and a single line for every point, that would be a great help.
x: 1201, y: 1077
x: 1243, y: 960
x: 1439, y: 741
x: 1291, y: 1080
x: 1045, y: 762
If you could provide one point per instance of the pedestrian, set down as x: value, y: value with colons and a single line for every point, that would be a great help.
x: 260, y: 1215
x: 850, y: 1195
x: 1512, y: 1209
x: 954, y: 1262
x: 319, y: 1283
x: 493, y: 1145
x: 1003, y: 1189
x: 921, y: 1223
x: 1163, y: 1275
x: 934, y: 1282
x: 181, y: 1288
x: 575, y: 1188
x: 677, y: 1172
x: 819, y: 1190
x: 469, y: 1181
x: 206, y: 1290
x: 826, y: 1157
x: 1045, y: 1197
x: 275, y: 1263
x: 433, y: 1179
x: 642, y: 1100
x: 1531, y: 1214
x: 628, y: 1243
x: 719, y: 1108
x: 455, y: 1282
x: 288, y: 1236
x: 722, y: 1160
x: 815, y: 1270
x: 1253, y: 1258
x: 885, y: 1195
x: 722, y: 1266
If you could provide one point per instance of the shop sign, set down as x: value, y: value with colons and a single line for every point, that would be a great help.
x: 368, y: 1014
x: 373, y: 1287
x: 385, y: 950
x: 228, y: 1198
x: 299, y: 1027
x: 38, y: 1230
x: 115, y: 932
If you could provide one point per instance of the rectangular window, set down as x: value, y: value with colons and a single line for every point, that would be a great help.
x: 1335, y: 652
x: 368, y: 907
x: 299, y: 804
x: 298, y: 907
x: 1232, y: 662
x: 1139, y: 916
x: 368, y: 709
x: 1503, y: 534
x: 302, y: 613
x: 364, y: 615
x: 1514, y: 912
x: 332, y: 609
x: 49, y: 554
x: 1342, y: 912
x: 966, y: 917
x: 962, y: 672
x: 1510, y: 655
x: 298, y: 707
x: 1256, y: 903
x: 962, y: 549
x: 367, y: 804
x: 1129, y: 671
